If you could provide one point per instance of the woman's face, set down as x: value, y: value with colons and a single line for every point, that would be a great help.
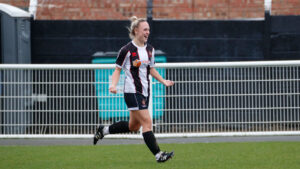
x: 142, y: 32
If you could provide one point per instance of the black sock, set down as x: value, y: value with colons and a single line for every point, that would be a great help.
x: 150, y: 141
x: 119, y: 127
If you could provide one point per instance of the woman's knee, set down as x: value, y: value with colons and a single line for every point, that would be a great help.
x: 142, y: 118
x: 147, y: 125
x: 134, y: 127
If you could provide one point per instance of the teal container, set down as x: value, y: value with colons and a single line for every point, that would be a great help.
x: 113, y: 106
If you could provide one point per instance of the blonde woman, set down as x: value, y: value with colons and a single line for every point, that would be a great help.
x: 137, y: 61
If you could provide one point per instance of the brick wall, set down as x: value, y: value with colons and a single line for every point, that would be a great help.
x: 285, y: 7
x: 90, y: 9
x: 23, y: 4
x: 162, y: 9
x: 204, y: 9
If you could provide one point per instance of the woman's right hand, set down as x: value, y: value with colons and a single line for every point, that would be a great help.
x: 113, y: 89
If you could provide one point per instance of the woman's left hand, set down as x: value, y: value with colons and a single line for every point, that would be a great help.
x: 168, y: 83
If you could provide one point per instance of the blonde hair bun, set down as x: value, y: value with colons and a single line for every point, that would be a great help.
x: 133, y: 18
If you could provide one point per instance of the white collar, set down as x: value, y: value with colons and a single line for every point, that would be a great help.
x: 139, y: 46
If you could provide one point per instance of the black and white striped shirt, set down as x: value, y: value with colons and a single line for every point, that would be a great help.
x: 136, y: 78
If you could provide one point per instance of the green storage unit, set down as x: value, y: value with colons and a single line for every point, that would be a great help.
x: 112, y: 106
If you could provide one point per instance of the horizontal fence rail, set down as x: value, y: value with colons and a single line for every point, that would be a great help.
x: 208, y: 99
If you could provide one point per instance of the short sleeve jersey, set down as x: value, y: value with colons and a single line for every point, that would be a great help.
x: 136, y: 77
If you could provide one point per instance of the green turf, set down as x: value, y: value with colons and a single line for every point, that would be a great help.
x: 264, y: 155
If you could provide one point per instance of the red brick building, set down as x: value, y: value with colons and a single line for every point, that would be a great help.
x: 162, y: 9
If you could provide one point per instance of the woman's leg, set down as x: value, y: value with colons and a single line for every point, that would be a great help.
x: 123, y: 126
x: 137, y: 119
x: 134, y: 124
x: 118, y: 127
x: 143, y: 117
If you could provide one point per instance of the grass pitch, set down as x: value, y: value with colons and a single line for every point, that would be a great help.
x: 264, y: 155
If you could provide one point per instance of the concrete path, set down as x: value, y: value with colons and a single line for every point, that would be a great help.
x: 42, y: 142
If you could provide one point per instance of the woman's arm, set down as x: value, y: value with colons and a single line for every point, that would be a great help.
x: 154, y: 73
x: 115, y: 80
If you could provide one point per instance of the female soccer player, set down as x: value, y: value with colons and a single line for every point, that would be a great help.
x: 137, y: 61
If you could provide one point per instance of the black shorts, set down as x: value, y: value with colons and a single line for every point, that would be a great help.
x: 136, y: 101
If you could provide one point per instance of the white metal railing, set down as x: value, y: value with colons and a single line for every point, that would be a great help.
x: 208, y: 99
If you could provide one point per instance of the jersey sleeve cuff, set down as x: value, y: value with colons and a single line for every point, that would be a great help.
x: 118, y: 66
